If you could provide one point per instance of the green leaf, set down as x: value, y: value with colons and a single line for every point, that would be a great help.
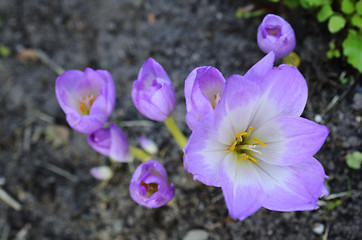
x: 356, y: 20
x: 347, y: 6
x: 354, y: 160
x: 336, y: 23
x: 291, y: 3
x: 352, y: 48
x: 311, y: 3
x: 4, y: 51
x: 325, y: 12
x: 359, y: 7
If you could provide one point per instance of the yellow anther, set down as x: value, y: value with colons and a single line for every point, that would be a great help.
x: 240, y: 135
x: 232, y: 148
x: 260, y: 142
x: 253, y: 159
x: 251, y: 128
x: 245, y: 157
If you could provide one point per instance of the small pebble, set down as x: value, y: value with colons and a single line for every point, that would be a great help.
x: 318, y: 228
x: 196, y: 234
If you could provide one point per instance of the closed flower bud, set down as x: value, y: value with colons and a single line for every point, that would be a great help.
x: 87, y: 98
x: 203, y: 88
x: 153, y: 93
x: 149, y: 185
x: 111, y: 142
x: 275, y: 34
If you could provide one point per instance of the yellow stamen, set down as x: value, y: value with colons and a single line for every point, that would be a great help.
x: 251, y: 128
x: 240, y: 134
x: 244, y: 157
x: 233, y: 146
x: 253, y: 159
x: 260, y: 142
x: 82, y: 107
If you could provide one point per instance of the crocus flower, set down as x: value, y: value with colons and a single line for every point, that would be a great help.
x: 255, y: 145
x: 153, y: 93
x: 87, y: 98
x: 101, y: 172
x: 111, y: 142
x: 203, y: 88
x: 148, y: 145
x: 275, y: 34
x: 149, y: 186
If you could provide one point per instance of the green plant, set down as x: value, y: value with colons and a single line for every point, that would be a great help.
x: 341, y: 15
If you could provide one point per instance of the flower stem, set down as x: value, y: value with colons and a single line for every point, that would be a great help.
x: 139, y: 154
x: 176, y: 133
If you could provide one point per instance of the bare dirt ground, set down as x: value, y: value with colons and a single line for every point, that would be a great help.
x: 44, y: 165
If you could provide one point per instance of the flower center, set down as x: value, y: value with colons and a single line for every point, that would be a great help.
x: 151, y: 188
x: 85, y: 103
x: 273, y: 30
x: 244, y: 146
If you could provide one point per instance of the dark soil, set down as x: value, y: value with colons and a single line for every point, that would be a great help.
x: 60, y: 199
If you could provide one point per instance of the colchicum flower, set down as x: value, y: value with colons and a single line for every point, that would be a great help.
x: 87, y: 98
x: 149, y: 186
x: 111, y: 142
x: 255, y: 145
x: 203, y: 88
x: 153, y: 93
x: 275, y: 34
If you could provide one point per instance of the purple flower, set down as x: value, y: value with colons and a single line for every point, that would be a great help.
x: 111, y: 142
x: 149, y: 186
x: 87, y: 98
x: 255, y: 145
x: 275, y: 34
x: 203, y: 88
x: 153, y: 93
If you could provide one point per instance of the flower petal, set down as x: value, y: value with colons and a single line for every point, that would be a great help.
x: 239, y: 103
x: 90, y: 83
x: 65, y: 89
x: 292, y: 188
x: 261, y: 68
x: 204, y: 153
x: 289, y: 140
x: 87, y: 123
x: 119, y: 150
x: 240, y: 186
x: 284, y: 93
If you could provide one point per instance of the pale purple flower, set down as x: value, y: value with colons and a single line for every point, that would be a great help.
x: 203, y: 88
x: 111, y: 142
x: 149, y: 185
x: 101, y: 172
x: 255, y: 145
x: 153, y: 93
x: 87, y: 98
x: 275, y: 34
x: 148, y: 145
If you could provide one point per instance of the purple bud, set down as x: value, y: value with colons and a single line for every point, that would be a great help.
x: 148, y: 145
x: 101, y: 172
x: 153, y: 93
x: 149, y: 186
x: 203, y: 88
x: 111, y: 142
x: 87, y: 98
x: 275, y: 34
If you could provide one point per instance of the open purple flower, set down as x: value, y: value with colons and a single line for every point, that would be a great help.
x: 255, y: 145
x: 111, y: 142
x: 149, y: 185
x: 87, y: 98
x: 275, y: 34
x: 153, y: 93
x: 203, y: 88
